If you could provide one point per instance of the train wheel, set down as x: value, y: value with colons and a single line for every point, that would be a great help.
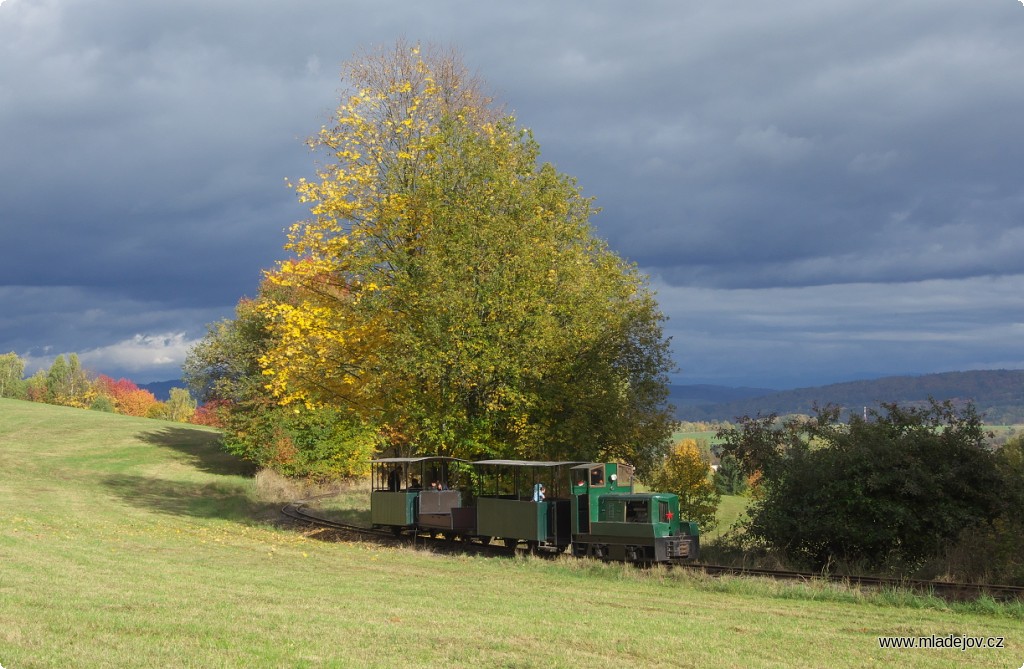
x: 510, y: 543
x: 484, y: 540
x: 396, y: 530
x: 531, y: 546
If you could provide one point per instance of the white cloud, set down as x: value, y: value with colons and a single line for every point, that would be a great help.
x: 156, y: 357
x: 149, y: 354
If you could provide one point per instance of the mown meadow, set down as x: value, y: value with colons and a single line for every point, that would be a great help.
x: 127, y: 542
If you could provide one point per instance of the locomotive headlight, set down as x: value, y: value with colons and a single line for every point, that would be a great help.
x: 615, y: 477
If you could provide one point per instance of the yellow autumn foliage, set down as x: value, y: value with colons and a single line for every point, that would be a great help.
x: 687, y: 473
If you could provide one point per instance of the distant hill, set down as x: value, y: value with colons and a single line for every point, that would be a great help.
x: 997, y: 394
x: 703, y: 395
x: 162, y: 389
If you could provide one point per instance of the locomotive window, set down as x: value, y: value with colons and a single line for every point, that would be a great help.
x: 637, y: 512
x: 663, y: 513
x: 612, y: 511
x: 597, y: 477
x: 625, y: 475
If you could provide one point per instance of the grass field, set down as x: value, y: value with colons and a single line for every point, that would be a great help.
x: 730, y: 509
x: 706, y: 438
x: 133, y: 543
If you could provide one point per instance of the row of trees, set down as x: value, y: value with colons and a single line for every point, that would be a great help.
x: 67, y: 383
x: 447, y: 296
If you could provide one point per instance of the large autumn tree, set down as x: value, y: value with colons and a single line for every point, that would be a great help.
x: 450, y: 286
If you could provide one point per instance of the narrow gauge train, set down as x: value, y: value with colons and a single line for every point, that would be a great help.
x: 546, y: 505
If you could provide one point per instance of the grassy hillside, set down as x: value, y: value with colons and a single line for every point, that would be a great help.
x: 134, y: 543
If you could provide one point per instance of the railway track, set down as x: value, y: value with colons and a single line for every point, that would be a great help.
x: 297, y: 512
x: 944, y: 590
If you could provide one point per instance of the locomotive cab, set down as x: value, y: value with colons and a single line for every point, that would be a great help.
x: 590, y: 481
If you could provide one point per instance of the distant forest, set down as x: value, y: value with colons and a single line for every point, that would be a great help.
x: 997, y: 394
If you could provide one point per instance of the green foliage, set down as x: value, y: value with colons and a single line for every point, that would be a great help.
x: 103, y: 403
x: 687, y: 473
x: 1004, y: 539
x: 320, y: 444
x: 67, y: 383
x: 729, y: 478
x: 224, y: 365
x: 58, y: 381
x: 12, y: 368
x: 35, y: 386
x: 892, y: 489
x: 180, y: 406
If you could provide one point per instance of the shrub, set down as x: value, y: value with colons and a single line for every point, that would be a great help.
x: 102, y: 403
x: 729, y: 478
x: 321, y: 444
x: 891, y: 490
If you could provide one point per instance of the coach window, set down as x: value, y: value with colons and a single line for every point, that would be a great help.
x: 506, y: 482
x: 597, y: 477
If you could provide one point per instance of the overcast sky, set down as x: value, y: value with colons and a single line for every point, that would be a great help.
x: 820, y: 191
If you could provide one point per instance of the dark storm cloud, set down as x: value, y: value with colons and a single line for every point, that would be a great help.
x: 820, y: 190
x: 797, y: 336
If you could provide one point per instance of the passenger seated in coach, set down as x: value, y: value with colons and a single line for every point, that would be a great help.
x: 538, y: 492
x: 415, y: 484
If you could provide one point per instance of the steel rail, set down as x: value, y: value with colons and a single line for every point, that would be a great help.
x: 296, y: 511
